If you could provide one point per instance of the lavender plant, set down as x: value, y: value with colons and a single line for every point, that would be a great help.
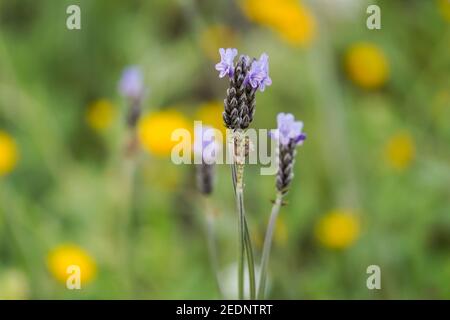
x: 131, y: 87
x: 246, y: 77
x: 288, y: 136
x: 206, y: 148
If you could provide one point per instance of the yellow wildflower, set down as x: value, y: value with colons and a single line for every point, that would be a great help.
x: 63, y: 256
x: 338, y: 229
x: 8, y: 153
x: 297, y: 26
x: 400, y: 151
x: 444, y: 8
x: 100, y: 114
x: 290, y: 19
x: 217, y: 36
x: 366, y: 65
x: 155, y: 131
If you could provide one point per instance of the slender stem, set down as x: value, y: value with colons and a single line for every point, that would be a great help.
x: 244, y: 234
x: 250, y: 260
x: 247, y: 247
x: 127, y: 226
x: 248, y: 244
x: 233, y: 176
x: 267, y: 245
x: 240, y: 207
x: 238, y: 191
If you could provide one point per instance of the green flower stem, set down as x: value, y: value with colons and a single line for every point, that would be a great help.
x: 240, y: 208
x: 126, y: 224
x: 245, y: 246
x: 248, y: 245
x: 268, y: 244
x: 250, y: 260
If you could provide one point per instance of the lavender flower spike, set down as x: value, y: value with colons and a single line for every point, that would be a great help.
x: 237, y: 113
x: 289, y: 134
x: 258, y: 75
x: 226, y: 64
x: 206, y: 147
x: 131, y: 83
x: 205, y: 144
x: 288, y: 130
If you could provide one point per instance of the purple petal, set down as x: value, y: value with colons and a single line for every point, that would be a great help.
x: 131, y: 83
x: 226, y: 64
x: 289, y: 129
x: 299, y: 139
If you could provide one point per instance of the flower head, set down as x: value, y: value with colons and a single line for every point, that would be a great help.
x: 66, y: 255
x: 226, y: 64
x: 288, y: 130
x: 258, y: 75
x: 367, y: 65
x: 400, y: 151
x: 8, y: 153
x: 131, y: 83
x: 155, y: 130
x: 205, y: 147
x: 338, y: 229
x: 246, y: 77
x: 289, y: 134
x: 291, y: 20
x: 100, y: 114
x: 205, y: 143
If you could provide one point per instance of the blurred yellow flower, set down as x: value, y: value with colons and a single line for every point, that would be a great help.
x: 444, y: 7
x: 217, y: 36
x: 211, y: 114
x: 400, y: 151
x: 290, y: 19
x: 367, y: 65
x: 100, y: 114
x: 63, y: 256
x: 13, y: 285
x: 155, y: 130
x: 338, y: 229
x: 8, y: 153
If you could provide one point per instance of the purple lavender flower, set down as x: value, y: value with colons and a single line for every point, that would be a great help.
x: 246, y: 77
x: 131, y: 83
x: 289, y: 134
x: 258, y: 75
x: 226, y: 64
x: 288, y: 130
x: 205, y: 143
x: 206, y: 147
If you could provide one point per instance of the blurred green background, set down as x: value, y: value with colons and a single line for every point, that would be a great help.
x: 372, y: 184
